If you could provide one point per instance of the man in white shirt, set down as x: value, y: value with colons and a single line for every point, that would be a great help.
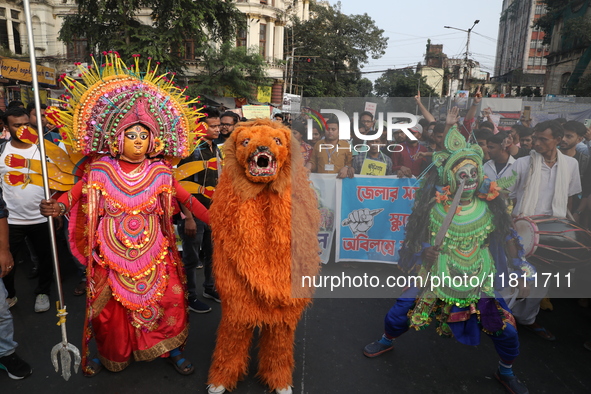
x: 25, y: 220
x: 500, y: 163
x: 546, y: 182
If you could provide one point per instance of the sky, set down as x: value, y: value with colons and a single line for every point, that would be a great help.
x: 409, y: 24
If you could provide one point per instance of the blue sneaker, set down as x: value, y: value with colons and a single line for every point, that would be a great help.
x: 376, y: 348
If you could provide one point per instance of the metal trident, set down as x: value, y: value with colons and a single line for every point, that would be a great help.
x: 64, y: 348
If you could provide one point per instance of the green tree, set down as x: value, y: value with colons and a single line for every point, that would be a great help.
x: 546, y: 22
x: 583, y: 87
x: 230, y: 71
x: 365, y: 87
x: 114, y: 25
x: 402, y: 83
x: 339, y: 46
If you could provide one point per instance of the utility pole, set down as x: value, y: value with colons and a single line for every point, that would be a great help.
x: 285, y: 72
x: 467, y: 62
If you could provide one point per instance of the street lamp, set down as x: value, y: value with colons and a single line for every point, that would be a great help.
x: 466, y: 66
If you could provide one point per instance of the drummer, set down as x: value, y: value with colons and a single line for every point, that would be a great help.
x: 546, y: 182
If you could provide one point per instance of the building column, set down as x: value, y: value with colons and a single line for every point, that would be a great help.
x: 278, y: 51
x: 11, y: 45
x: 276, y: 92
x: 253, y: 31
x: 306, y: 15
x: 269, y: 50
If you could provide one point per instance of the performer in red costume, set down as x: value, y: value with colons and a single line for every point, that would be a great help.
x: 120, y: 221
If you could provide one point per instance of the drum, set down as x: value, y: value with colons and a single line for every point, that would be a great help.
x: 558, y: 242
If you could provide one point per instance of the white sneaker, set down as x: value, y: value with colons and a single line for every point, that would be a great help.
x: 286, y: 390
x: 211, y: 389
x: 41, y: 303
x: 11, y: 301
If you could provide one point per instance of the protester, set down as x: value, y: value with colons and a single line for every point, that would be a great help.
x: 373, y: 161
x: 482, y: 136
x: 405, y: 162
x: 546, y: 182
x: 298, y: 133
x: 331, y: 155
x: 228, y: 122
x: 525, y: 138
x: 574, y: 133
x: 14, y: 366
x: 49, y: 131
x: 500, y: 162
x: 23, y: 204
x: 196, y: 234
x: 513, y: 146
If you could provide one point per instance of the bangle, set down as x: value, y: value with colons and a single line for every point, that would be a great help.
x: 63, y: 209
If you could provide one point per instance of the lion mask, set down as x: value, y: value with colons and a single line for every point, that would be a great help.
x: 259, y: 155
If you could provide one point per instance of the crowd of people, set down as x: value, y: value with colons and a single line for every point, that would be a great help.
x: 549, y: 166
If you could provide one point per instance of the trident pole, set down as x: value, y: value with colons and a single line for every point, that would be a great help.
x: 62, y: 347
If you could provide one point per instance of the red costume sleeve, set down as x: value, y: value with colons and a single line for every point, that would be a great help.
x: 70, y: 198
x: 187, y: 199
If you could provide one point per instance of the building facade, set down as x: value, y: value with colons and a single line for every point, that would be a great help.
x: 570, y: 54
x: 520, y: 59
x: 446, y: 75
x: 266, y: 22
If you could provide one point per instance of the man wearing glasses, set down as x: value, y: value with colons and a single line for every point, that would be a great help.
x: 228, y: 121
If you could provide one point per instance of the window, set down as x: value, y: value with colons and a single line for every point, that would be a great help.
x: 189, y: 50
x: 263, y: 40
x: 77, y: 49
x: 534, y: 44
x: 539, y: 9
x: 18, y: 49
x: 14, y: 14
x: 563, y: 81
x: 530, y: 61
x: 241, y: 38
x: 3, y: 29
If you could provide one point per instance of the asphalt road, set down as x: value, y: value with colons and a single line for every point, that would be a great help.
x: 329, y: 359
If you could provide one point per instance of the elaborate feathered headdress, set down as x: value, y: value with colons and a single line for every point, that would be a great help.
x: 456, y: 149
x: 113, y: 97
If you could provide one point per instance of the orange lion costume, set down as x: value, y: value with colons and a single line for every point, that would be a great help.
x: 264, y: 220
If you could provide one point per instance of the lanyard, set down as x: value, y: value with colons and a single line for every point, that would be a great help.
x: 329, y: 153
x: 408, y: 149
